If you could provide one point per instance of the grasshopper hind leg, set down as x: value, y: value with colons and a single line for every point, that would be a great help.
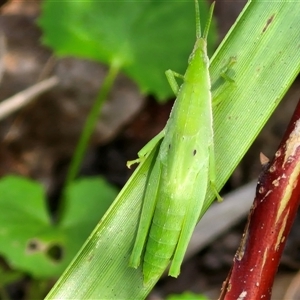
x: 191, y: 218
x: 148, y: 208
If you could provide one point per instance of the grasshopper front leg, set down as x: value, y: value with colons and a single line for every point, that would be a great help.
x: 144, y: 152
x: 172, y: 80
x: 224, y: 70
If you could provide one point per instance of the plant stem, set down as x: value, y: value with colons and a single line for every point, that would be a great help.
x: 88, y: 129
x: 269, y: 222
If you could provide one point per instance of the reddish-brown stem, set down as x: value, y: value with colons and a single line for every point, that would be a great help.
x: 270, y: 220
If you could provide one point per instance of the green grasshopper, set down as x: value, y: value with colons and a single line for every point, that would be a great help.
x: 178, y: 182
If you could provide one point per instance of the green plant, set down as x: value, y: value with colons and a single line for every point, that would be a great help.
x: 186, y: 296
x: 30, y: 240
x: 264, y: 42
x: 261, y: 79
x: 33, y: 240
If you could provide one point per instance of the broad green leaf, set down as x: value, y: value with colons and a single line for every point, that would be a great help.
x: 130, y: 34
x: 87, y: 200
x: 265, y: 42
x: 83, y: 197
x: 28, y: 238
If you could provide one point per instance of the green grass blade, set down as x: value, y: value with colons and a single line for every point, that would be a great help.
x: 266, y: 43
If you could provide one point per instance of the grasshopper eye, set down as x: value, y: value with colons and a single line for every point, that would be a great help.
x: 194, y: 152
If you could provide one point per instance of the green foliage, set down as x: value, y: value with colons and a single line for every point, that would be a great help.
x: 265, y: 44
x: 144, y: 38
x: 30, y: 240
x: 186, y: 296
x: 133, y: 36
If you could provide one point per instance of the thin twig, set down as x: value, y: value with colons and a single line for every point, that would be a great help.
x: 12, y: 104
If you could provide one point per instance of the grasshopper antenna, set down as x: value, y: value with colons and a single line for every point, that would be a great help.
x: 210, y: 15
x: 198, y: 23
